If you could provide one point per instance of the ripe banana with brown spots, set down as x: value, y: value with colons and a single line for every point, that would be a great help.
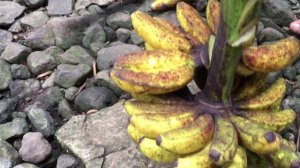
x: 213, y: 14
x: 239, y: 159
x: 159, y: 5
x: 133, y: 133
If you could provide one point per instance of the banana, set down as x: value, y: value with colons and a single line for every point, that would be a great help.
x: 242, y: 70
x: 199, y: 159
x: 290, y: 145
x: 267, y: 99
x: 213, y: 13
x: 133, y: 107
x: 275, y: 121
x: 156, y: 35
x: 251, y: 86
x: 255, y: 138
x: 149, y: 148
x: 168, y: 25
x: 224, y: 143
x: 239, y: 160
x: 272, y: 57
x: 133, y: 133
x: 153, y: 72
x: 192, y: 23
x: 159, y: 5
x: 148, y: 47
x: 190, y: 138
x: 152, y: 125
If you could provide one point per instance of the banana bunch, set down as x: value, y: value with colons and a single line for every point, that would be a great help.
x: 172, y: 129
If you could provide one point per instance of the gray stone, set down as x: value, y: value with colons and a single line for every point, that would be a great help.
x: 82, y: 4
x: 296, y: 93
x: 7, y: 106
x: 26, y: 165
x: 50, y: 97
x: 68, y: 31
x: 15, y: 128
x: 20, y: 71
x: 35, y: 19
x: 77, y: 55
x: 102, y: 2
x: 34, y: 3
x: 291, y: 102
x: 95, y: 163
x: 55, y: 52
x: 9, y: 157
x: 122, y: 6
x: 95, y: 9
x: 40, y: 38
x: 94, y: 38
x: 119, y: 20
x: 70, y: 93
x: 272, y: 76
x: 19, y: 114
x: 102, y: 79
x: 9, y: 11
x: 16, y: 27
x: 58, y: 7
x: 40, y: 120
x: 49, y: 82
x: 5, y: 38
x: 65, y: 110
x: 34, y: 147
x: 106, y: 56
x: 66, y: 161
x: 39, y: 62
x: 24, y: 88
x: 297, y: 81
x: 71, y: 75
x: 111, y: 34
x: 269, y: 34
x: 115, y: 43
x: 5, y: 75
x: 170, y: 16
x: 95, y: 98
x: 290, y: 72
x: 135, y: 38
x: 146, y: 6
x: 123, y: 35
x: 274, y: 8
x: 15, y: 53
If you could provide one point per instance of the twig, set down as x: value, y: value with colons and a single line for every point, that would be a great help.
x: 94, y: 69
x: 80, y: 89
x: 44, y: 74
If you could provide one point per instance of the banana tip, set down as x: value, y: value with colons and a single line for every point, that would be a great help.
x: 270, y: 136
x: 214, y: 155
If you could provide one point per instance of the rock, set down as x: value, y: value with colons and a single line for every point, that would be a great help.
x: 58, y: 7
x: 291, y: 102
x: 40, y: 120
x: 25, y: 165
x: 95, y: 10
x: 9, y: 11
x: 65, y: 110
x: 106, y: 55
x: 274, y: 8
x: 66, y: 161
x: 39, y: 62
x: 70, y: 93
x: 123, y: 34
x: 119, y: 20
x: 94, y: 163
x: 40, y: 38
x: 7, y: 106
x: 16, y: 27
x: 94, y: 38
x: 19, y: 114
x: 145, y: 6
x: 170, y: 16
x: 34, y: 147
x: 24, y: 88
x: 102, y: 79
x: 269, y: 34
x: 20, y: 71
x: 50, y: 97
x: 5, y: 75
x: 102, y: 2
x: 290, y: 72
x: 111, y: 35
x: 135, y: 38
x: 77, y: 55
x: 34, y: 3
x: 68, y: 31
x: 82, y: 4
x: 55, y: 52
x: 272, y: 76
x: 15, y: 128
x: 15, y: 53
x: 5, y: 38
x: 35, y: 19
x: 9, y: 157
x: 49, y: 82
x: 71, y: 75
x: 95, y: 98
x: 296, y: 93
x: 125, y: 7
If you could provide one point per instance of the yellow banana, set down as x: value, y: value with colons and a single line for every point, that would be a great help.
x: 213, y: 13
x: 275, y: 121
x: 153, y: 72
x: 134, y: 107
x: 272, y: 57
x: 156, y: 35
x: 224, y: 142
x: 199, y: 159
x: 239, y: 160
x: 148, y: 47
x: 251, y: 86
x: 159, y: 5
x: 190, y: 138
x: 168, y: 25
x: 242, y: 70
x: 133, y: 133
x: 192, y: 23
x: 154, y: 152
x: 255, y: 138
x: 267, y: 99
x: 152, y: 125
x: 290, y: 145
